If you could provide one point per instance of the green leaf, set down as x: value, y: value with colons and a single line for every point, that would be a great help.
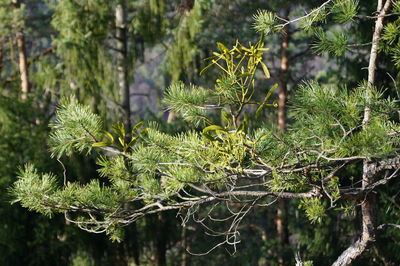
x: 245, y: 124
x: 213, y: 128
x: 108, y: 134
x: 208, y: 136
x: 265, y: 70
x: 119, y: 129
x: 246, y: 74
x: 273, y: 88
x: 205, y: 68
x: 136, y: 127
x: 222, y: 47
x: 122, y: 142
x: 100, y: 144
x: 259, y: 110
x: 244, y: 48
x: 264, y: 103
x: 226, y: 117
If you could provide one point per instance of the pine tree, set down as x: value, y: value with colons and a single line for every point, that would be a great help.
x: 336, y: 131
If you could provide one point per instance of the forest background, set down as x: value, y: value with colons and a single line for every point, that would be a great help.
x: 118, y: 58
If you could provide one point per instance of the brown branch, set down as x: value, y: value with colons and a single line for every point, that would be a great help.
x: 127, y: 217
x: 374, y: 53
x: 386, y: 225
x: 388, y: 164
x: 316, y: 10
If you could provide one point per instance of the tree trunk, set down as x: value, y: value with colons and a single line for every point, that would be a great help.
x: 124, y: 93
x: 284, y: 68
x: 185, y: 257
x: 131, y: 247
x: 282, y: 230
x: 161, y: 241
x: 22, y: 61
x: 281, y: 218
x: 368, y: 204
x: 186, y: 6
x: 122, y: 54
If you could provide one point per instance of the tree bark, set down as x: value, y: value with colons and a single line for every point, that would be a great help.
x: 22, y: 58
x: 281, y: 219
x: 122, y: 55
x: 368, y: 205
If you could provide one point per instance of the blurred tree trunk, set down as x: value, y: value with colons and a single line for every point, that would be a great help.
x: 22, y: 58
x: 283, y: 76
x: 124, y: 93
x: 185, y: 257
x: 122, y: 55
x: 161, y: 240
x: 184, y: 8
x: 281, y: 218
x: 131, y: 247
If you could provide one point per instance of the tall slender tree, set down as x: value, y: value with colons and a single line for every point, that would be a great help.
x: 281, y: 216
x: 122, y: 57
x: 22, y: 58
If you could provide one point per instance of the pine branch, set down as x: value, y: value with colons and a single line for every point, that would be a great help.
x: 386, y: 225
x: 313, y: 12
x: 367, y: 206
